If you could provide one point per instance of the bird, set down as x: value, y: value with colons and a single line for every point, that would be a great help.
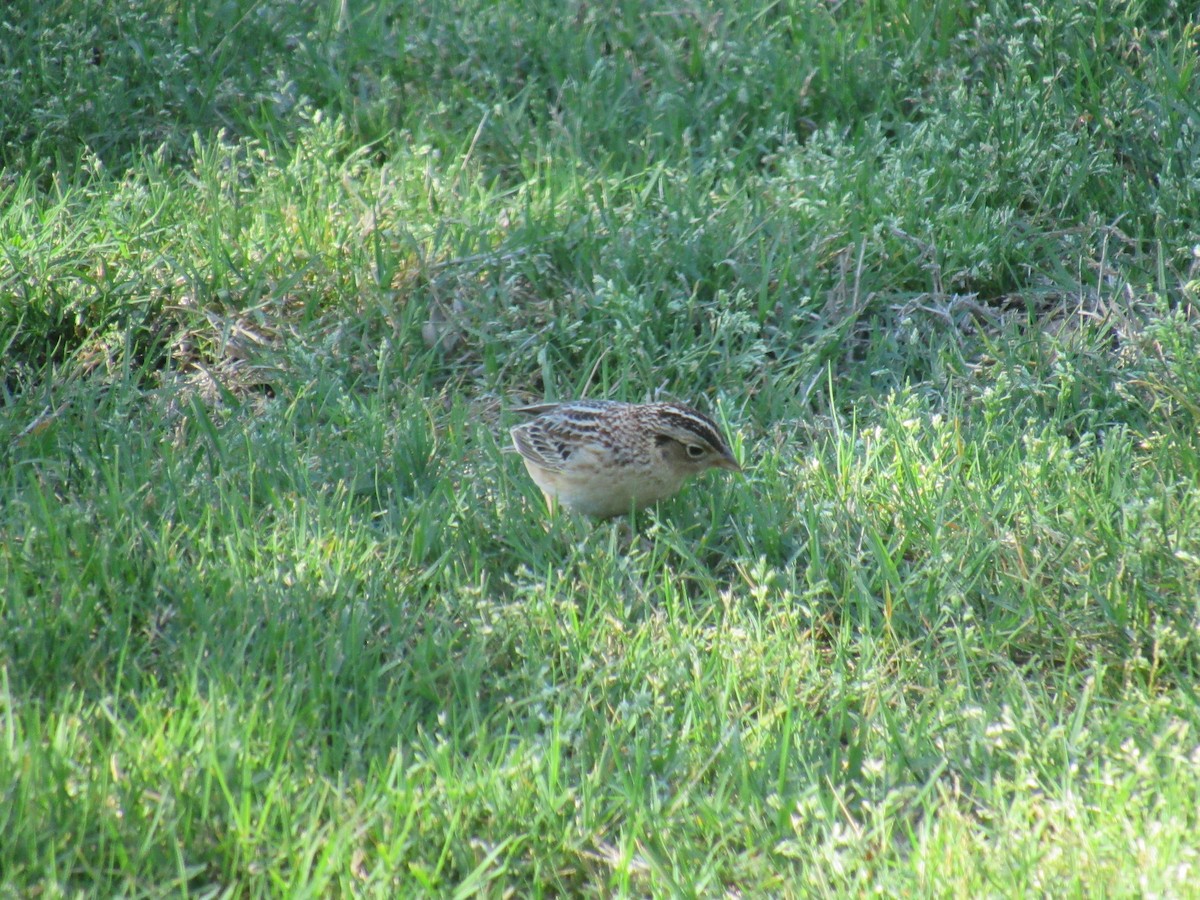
x: 604, y: 458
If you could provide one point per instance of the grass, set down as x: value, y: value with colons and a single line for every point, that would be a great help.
x: 278, y: 616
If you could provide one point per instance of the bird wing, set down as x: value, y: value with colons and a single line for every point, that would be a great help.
x: 539, y: 444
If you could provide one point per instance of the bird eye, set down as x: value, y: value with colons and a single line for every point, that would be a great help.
x: 695, y: 451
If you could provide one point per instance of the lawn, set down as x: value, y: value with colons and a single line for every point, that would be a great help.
x: 281, y: 617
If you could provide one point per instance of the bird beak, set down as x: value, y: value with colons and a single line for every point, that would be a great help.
x: 728, y: 462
